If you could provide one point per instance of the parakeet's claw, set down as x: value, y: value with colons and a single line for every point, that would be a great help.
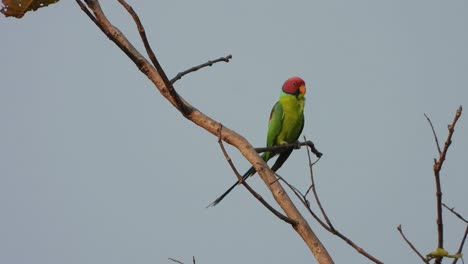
x: 298, y: 146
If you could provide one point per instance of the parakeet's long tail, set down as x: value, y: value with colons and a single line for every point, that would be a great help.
x: 266, y: 156
x: 247, y: 174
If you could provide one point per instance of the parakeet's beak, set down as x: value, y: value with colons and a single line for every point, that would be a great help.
x: 302, y: 89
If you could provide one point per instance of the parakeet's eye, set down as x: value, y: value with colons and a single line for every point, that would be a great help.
x: 294, y: 83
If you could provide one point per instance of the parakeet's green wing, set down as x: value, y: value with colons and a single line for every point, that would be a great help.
x: 302, y: 127
x: 274, y: 128
x: 299, y: 126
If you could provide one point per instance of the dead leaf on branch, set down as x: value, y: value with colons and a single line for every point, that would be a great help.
x: 17, y: 8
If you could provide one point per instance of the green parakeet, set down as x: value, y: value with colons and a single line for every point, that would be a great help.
x: 285, y: 125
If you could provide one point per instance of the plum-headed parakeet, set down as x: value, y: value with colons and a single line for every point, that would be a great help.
x: 285, y: 125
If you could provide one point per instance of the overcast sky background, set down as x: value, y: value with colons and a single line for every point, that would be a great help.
x: 96, y: 167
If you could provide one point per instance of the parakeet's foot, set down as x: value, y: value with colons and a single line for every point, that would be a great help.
x: 298, y: 146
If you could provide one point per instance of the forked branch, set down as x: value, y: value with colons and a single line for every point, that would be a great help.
x: 327, y: 224
x: 423, y: 259
x: 440, y: 252
x: 247, y: 186
x: 437, y: 168
x: 462, y: 243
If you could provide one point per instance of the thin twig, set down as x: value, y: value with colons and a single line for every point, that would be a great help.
x: 451, y: 129
x: 314, y: 191
x: 330, y: 229
x: 141, y: 31
x: 455, y: 213
x: 181, y: 105
x: 411, y: 245
x: 328, y: 225
x: 334, y: 231
x: 304, y: 201
x: 462, y: 243
x: 437, y: 167
x: 434, y: 133
x: 175, y: 260
x: 89, y: 14
x: 247, y: 186
x: 180, y: 262
x: 196, y: 68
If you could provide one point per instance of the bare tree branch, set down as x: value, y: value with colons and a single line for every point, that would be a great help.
x: 142, y: 32
x: 185, y: 110
x: 462, y: 243
x: 328, y: 225
x: 90, y: 15
x: 296, y: 145
x: 150, y: 51
x: 440, y: 252
x: 437, y: 167
x: 175, y: 260
x: 180, y: 262
x: 411, y: 245
x: 455, y: 213
x: 247, y: 186
x: 327, y: 219
x: 158, y: 77
x: 434, y: 133
x: 198, y: 67
x: 314, y: 191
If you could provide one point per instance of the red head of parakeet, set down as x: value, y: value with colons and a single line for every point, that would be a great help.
x: 294, y: 86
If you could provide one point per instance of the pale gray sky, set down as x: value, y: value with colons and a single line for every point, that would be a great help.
x: 96, y: 167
